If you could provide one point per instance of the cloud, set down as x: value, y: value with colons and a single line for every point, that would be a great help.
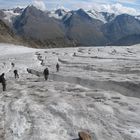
x: 39, y: 4
x: 111, y: 8
x: 118, y: 8
x: 127, y: 1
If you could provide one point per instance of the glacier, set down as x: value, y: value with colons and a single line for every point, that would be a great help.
x: 96, y: 90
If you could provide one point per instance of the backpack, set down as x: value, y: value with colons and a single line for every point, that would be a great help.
x: 15, y: 71
x: 0, y: 79
x: 46, y: 71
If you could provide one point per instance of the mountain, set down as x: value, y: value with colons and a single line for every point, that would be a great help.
x: 83, y: 29
x: 102, y: 16
x: 108, y: 16
x: 18, y: 10
x: 61, y: 28
x: 36, y: 25
x: 122, y: 26
x: 57, y: 14
x: 2, y: 14
x: 128, y: 40
x: 9, y: 15
x: 6, y: 35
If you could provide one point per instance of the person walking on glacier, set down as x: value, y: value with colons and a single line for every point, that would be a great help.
x: 13, y: 65
x: 57, y: 67
x: 46, y: 73
x: 16, y: 74
x: 3, y: 81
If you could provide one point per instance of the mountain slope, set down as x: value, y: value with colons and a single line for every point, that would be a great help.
x: 6, y: 35
x: 83, y: 29
x: 122, y: 26
x: 62, y: 28
x: 37, y: 25
x: 128, y: 40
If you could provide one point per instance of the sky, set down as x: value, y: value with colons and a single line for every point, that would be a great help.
x: 122, y: 6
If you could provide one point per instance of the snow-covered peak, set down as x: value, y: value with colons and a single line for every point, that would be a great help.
x: 137, y: 17
x: 58, y: 14
x: 18, y: 10
x: 67, y: 16
x: 109, y: 16
x: 96, y: 15
x: 102, y: 16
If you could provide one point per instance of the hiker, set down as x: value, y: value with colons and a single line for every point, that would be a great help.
x: 16, y: 74
x: 57, y: 67
x: 28, y: 70
x: 12, y: 64
x: 74, y: 54
x: 3, y: 82
x: 46, y: 73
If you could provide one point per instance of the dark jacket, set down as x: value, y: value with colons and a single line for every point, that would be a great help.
x: 2, y: 79
x: 46, y: 71
x: 15, y: 71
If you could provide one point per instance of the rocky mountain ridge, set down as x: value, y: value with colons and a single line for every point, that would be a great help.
x: 61, y: 28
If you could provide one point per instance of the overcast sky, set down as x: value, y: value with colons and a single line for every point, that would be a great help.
x: 126, y: 6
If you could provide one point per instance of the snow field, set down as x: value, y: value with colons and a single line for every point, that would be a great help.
x: 96, y: 90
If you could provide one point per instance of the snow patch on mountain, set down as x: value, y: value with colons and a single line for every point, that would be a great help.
x: 96, y: 15
x: 54, y: 15
x: 137, y: 17
x: 67, y: 16
x: 58, y: 14
x: 10, y: 14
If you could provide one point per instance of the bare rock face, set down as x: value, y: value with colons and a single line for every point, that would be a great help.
x: 36, y: 25
x: 84, y: 136
x: 8, y: 36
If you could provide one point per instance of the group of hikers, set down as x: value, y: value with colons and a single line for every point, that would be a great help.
x: 46, y: 71
x: 16, y: 75
x: 3, y: 81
